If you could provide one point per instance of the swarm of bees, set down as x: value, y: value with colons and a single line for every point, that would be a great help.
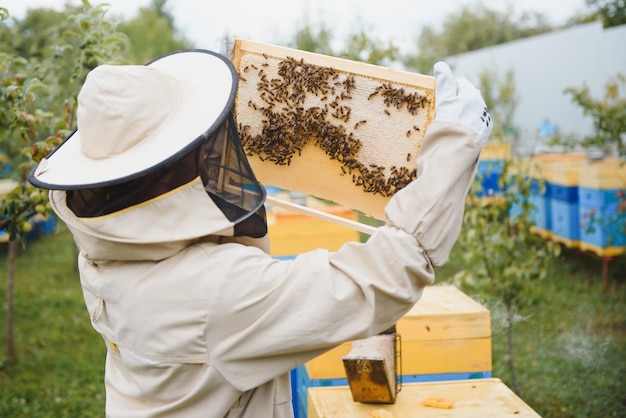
x: 301, y: 104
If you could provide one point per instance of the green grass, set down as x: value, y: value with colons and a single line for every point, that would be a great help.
x: 60, y: 358
x: 570, y: 350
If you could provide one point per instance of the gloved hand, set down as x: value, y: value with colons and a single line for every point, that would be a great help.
x: 458, y: 101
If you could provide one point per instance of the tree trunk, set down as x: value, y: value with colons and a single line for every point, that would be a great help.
x: 11, y: 262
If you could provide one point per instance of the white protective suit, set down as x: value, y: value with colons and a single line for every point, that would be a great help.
x: 198, y: 323
x: 211, y: 326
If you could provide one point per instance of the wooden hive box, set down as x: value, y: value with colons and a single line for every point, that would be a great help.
x: 445, y: 333
x: 446, y: 336
x: 481, y: 398
x: 292, y: 233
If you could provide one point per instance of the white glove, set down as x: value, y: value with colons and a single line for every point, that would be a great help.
x: 458, y: 101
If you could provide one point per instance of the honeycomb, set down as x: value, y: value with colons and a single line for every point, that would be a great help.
x: 336, y: 129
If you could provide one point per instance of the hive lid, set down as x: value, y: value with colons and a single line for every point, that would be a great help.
x: 474, y: 398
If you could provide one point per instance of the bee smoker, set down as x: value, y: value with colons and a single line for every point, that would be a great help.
x: 373, y: 366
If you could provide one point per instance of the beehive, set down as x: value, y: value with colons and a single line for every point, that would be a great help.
x: 482, y: 398
x: 601, y: 191
x: 445, y: 336
x: 337, y: 129
x: 563, y: 178
x: 292, y: 233
x: 542, y: 169
x: 445, y: 332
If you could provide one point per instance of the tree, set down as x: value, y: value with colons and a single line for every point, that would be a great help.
x: 44, y: 60
x: 152, y: 33
x: 608, y: 114
x: 502, y: 256
x: 612, y: 12
x: 473, y: 27
x: 38, y: 85
x: 358, y: 46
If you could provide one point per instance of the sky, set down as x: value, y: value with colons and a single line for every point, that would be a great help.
x: 275, y: 21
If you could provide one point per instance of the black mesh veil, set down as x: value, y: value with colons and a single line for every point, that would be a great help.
x: 230, y: 182
x: 219, y: 159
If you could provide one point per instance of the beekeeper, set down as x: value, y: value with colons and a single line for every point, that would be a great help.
x: 198, y: 319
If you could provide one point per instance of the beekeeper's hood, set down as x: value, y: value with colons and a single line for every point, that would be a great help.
x: 156, y: 159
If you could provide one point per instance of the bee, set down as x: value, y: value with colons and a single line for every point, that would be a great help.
x: 359, y: 123
x: 408, y: 157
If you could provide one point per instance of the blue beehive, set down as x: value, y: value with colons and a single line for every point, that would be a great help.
x: 564, y: 207
x: 540, y: 198
x: 489, y: 172
x: 601, y: 191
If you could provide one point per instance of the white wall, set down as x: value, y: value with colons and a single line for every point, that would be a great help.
x: 545, y: 65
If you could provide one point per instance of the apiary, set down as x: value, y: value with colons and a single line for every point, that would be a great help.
x: 445, y: 336
x: 337, y: 129
x: 482, y: 398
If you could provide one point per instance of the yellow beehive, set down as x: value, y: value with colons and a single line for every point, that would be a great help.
x: 446, y: 332
x: 292, y: 233
x: 496, y: 151
x: 551, y: 167
x: 341, y: 130
x: 608, y: 173
x: 476, y: 398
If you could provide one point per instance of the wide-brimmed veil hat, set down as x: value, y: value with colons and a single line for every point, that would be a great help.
x: 134, y: 118
x: 171, y: 118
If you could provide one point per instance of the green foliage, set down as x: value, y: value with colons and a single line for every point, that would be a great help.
x: 497, y: 239
x: 358, y: 46
x: 152, y: 34
x: 612, y: 12
x: 313, y: 39
x: 475, y: 26
x: 505, y: 257
x: 608, y: 114
x: 51, y: 54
